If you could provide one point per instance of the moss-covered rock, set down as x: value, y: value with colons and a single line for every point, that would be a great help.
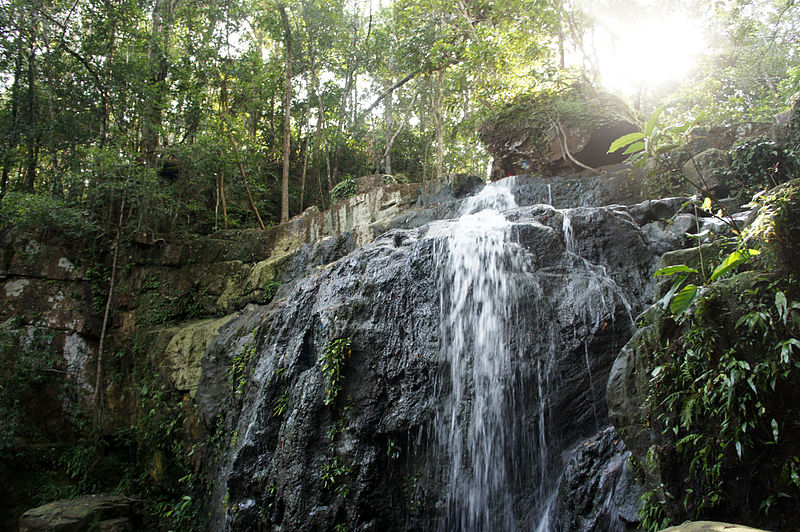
x: 710, y: 526
x: 186, y: 348
x: 93, y: 513
x: 528, y: 135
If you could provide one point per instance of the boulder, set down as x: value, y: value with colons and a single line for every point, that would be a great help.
x: 542, y: 133
x: 598, y: 490
x: 92, y: 513
x: 710, y: 526
x: 708, y: 171
x: 370, y: 458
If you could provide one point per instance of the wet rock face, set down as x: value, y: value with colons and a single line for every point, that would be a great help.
x: 369, y: 458
x: 598, y: 491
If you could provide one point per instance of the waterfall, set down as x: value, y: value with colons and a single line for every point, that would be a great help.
x: 477, y: 303
x: 481, y: 345
x: 486, y: 384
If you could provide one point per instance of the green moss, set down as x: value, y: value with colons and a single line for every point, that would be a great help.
x: 531, y: 117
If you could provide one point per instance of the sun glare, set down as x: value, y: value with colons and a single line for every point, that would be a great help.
x: 647, y: 52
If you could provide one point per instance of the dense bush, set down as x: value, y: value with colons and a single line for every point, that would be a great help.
x: 724, y: 389
x: 42, y: 216
x: 346, y: 188
x: 758, y: 163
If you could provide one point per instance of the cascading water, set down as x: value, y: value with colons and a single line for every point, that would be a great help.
x: 494, y: 442
x: 477, y: 305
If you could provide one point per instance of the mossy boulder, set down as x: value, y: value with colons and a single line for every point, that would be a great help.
x: 710, y: 526
x: 92, y: 513
x: 186, y: 348
x: 529, y: 135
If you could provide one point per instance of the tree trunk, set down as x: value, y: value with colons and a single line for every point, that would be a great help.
x: 389, y: 120
x: 437, y: 110
x: 222, y: 194
x: 30, y: 117
x: 389, y: 143
x: 12, y: 140
x: 98, y: 390
x: 157, y: 59
x: 306, y: 148
x: 287, y: 116
x: 320, y: 124
x: 223, y: 115
x: 561, y: 55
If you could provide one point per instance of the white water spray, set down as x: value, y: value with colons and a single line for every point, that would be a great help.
x: 478, y: 299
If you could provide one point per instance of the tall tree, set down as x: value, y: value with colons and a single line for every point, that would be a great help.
x: 287, y: 114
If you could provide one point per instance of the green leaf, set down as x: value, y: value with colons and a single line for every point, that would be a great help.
x: 683, y: 299
x: 780, y: 304
x: 775, y: 431
x: 672, y: 270
x: 683, y: 128
x: 733, y: 260
x: 674, y: 288
x: 786, y: 349
x: 636, y: 147
x: 624, y: 141
x: 652, y: 121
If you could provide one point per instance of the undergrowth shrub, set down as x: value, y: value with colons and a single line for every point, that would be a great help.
x: 758, y: 163
x: 346, y: 188
x: 42, y: 216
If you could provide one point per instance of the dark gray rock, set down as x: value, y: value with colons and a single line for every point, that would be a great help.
x: 598, y: 490
x: 656, y: 210
x: 369, y: 459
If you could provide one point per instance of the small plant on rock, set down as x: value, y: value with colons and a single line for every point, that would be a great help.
x: 346, y: 188
x: 332, y: 361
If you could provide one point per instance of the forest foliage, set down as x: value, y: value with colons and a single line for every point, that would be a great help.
x: 185, y: 112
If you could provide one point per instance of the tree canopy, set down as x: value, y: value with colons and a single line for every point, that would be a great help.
x: 207, y: 115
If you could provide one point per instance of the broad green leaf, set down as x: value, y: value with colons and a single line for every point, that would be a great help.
x: 683, y: 299
x: 786, y: 349
x: 651, y: 123
x: 775, y: 432
x: 683, y: 128
x: 674, y: 288
x: 780, y: 304
x: 672, y: 270
x: 733, y: 260
x: 624, y: 141
x: 634, y: 148
x: 701, y: 234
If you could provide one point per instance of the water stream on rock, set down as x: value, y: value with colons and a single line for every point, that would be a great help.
x: 492, y: 440
x: 480, y: 349
x: 477, y: 304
